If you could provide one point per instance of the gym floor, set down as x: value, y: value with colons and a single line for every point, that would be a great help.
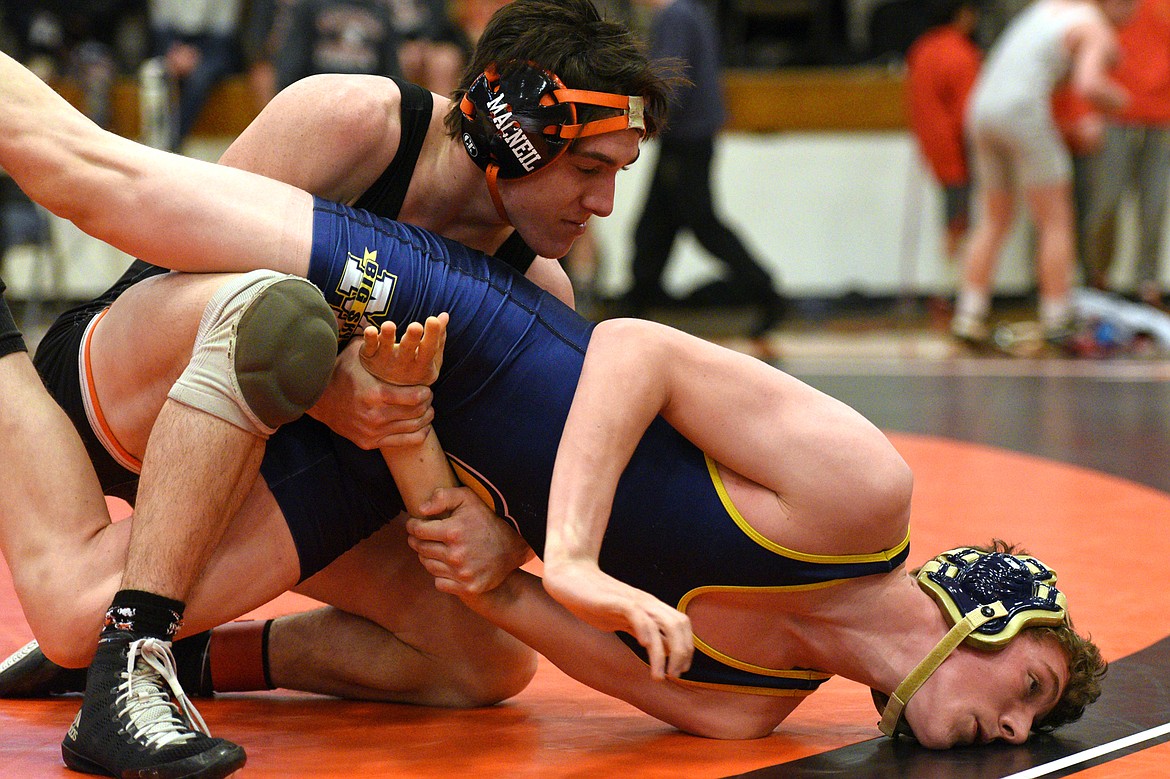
x: 1067, y: 457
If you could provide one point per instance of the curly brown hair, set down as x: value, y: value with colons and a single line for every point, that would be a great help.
x: 1086, y: 668
x: 571, y: 39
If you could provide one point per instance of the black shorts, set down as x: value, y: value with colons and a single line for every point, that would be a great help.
x: 57, y: 362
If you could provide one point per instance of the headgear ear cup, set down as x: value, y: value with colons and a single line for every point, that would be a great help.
x: 476, y: 135
x: 988, y: 597
x: 512, y: 121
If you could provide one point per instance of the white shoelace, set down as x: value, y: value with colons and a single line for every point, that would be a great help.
x: 155, y: 718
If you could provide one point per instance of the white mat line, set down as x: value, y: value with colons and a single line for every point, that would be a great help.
x: 1091, y: 754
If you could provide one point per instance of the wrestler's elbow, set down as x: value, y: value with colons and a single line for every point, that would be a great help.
x: 726, y: 723
x: 881, y: 482
x: 892, y: 485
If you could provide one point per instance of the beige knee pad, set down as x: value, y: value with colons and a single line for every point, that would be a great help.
x: 263, y: 354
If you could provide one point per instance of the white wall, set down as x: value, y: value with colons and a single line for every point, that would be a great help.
x: 828, y: 212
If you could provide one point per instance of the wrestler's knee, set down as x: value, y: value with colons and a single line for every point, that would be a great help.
x: 68, y: 635
x: 500, y: 671
x: 264, y: 353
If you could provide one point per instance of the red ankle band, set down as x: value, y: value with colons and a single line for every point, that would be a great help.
x: 238, y: 653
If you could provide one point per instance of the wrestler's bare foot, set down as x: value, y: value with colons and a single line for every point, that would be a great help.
x: 416, y: 359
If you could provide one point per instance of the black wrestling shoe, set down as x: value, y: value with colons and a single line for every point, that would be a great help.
x: 773, y: 309
x: 130, y: 727
x: 27, y: 673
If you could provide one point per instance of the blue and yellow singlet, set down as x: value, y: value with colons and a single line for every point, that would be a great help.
x: 513, y: 358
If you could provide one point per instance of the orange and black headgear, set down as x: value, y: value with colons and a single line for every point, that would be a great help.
x: 518, y: 118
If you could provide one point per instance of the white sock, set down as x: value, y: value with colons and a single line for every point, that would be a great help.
x: 972, y: 304
x: 1055, y: 313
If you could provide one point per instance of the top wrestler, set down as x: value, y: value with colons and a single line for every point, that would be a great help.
x: 705, y: 449
x: 353, y: 139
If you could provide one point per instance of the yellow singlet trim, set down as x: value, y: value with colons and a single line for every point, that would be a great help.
x: 728, y: 660
x: 775, y: 692
x: 771, y: 546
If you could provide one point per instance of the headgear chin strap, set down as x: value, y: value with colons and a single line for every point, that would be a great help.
x: 989, y: 597
x: 517, y: 123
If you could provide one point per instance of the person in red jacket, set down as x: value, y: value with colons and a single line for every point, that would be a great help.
x: 942, y: 66
x: 1136, y: 151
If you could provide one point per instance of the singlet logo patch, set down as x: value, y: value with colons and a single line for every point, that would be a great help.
x: 365, y: 291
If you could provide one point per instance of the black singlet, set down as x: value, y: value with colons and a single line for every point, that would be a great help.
x: 386, y: 195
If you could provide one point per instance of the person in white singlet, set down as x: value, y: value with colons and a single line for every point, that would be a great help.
x: 1017, y: 146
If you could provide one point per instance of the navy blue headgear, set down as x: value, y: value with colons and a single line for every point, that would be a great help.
x: 963, y: 580
x: 988, y: 597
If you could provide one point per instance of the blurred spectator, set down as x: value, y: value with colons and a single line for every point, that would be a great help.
x: 680, y: 192
x: 1017, y: 144
x: 994, y: 17
x: 1135, y: 153
x: 433, y: 50
x: 264, y: 30
x: 197, y: 39
x: 942, y: 66
x: 1083, y: 130
x: 338, y: 36
x: 82, y: 40
x: 893, y: 26
x: 471, y: 16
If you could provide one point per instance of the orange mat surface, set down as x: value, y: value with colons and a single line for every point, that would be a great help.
x: 1072, y: 518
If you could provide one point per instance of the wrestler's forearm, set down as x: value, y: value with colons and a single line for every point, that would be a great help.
x: 173, y: 211
x: 419, y: 470
x: 521, y: 606
x: 600, y: 660
x: 619, y: 394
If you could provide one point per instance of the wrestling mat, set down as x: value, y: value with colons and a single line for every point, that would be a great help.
x: 1106, y: 536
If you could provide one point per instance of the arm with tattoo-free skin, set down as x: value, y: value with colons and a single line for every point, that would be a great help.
x: 226, y: 220
x: 372, y: 414
x: 422, y: 468
x: 839, y: 485
x: 597, y: 658
x: 469, y: 555
x: 172, y: 211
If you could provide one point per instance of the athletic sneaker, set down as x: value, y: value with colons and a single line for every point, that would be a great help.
x: 970, y: 330
x: 27, y: 673
x: 137, y: 722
